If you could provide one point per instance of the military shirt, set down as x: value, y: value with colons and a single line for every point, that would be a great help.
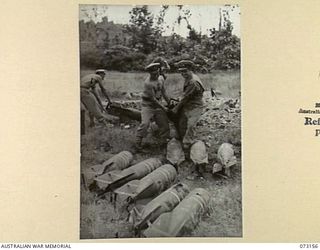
x: 90, y: 80
x: 153, y: 89
x: 193, y: 92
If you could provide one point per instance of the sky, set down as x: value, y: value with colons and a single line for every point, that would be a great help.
x: 203, y: 18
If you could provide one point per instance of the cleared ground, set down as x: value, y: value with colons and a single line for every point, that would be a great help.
x: 219, y: 123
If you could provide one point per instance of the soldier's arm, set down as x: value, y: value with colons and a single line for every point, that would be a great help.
x: 95, y: 93
x: 163, y: 90
x: 166, y: 64
x: 151, y: 94
x: 104, y: 92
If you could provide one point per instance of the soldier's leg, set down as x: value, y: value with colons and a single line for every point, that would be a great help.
x: 146, y: 115
x: 182, y: 124
x: 192, y: 118
x: 91, y: 118
x: 89, y: 100
x: 162, y: 121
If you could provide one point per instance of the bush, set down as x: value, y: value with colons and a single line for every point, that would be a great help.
x: 90, y: 57
x: 229, y: 57
x: 123, y: 60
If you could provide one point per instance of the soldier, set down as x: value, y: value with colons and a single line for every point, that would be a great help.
x: 190, y: 107
x: 164, y: 66
x: 151, y: 106
x: 90, y: 97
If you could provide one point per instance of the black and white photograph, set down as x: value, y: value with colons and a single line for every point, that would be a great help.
x: 160, y: 103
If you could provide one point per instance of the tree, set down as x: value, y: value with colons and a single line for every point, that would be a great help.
x: 129, y: 47
x: 93, y: 12
x: 143, y: 35
x: 160, y: 20
x: 225, y: 46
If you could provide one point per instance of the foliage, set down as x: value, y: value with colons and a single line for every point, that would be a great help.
x: 90, y: 55
x: 140, y: 28
x: 224, y: 49
x: 130, y: 47
x: 124, y: 59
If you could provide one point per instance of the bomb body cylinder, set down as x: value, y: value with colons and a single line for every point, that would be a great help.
x: 119, y: 161
x: 117, y: 178
x: 143, y: 168
x: 175, y: 154
x: 117, y: 110
x: 150, y: 185
x: 156, y: 181
x: 163, y: 203
x: 183, y: 218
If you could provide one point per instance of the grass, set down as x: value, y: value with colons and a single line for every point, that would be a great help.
x: 101, y: 220
x: 225, y: 82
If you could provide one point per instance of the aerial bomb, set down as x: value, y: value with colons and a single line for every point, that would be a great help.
x: 116, y: 178
x: 163, y: 203
x: 118, y: 110
x: 226, y: 158
x: 175, y: 154
x: 150, y: 185
x: 183, y: 218
x: 119, y: 161
x: 198, y: 153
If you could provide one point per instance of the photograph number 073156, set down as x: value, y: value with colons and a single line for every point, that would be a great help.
x: 160, y: 99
